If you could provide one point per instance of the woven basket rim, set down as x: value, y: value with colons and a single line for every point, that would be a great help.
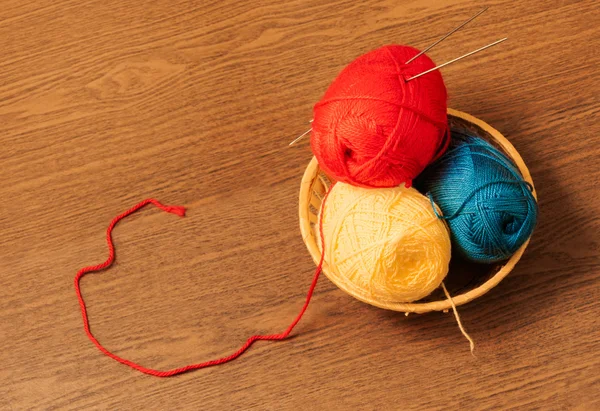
x: 308, y: 179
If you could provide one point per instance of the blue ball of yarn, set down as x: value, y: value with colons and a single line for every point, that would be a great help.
x: 489, y: 208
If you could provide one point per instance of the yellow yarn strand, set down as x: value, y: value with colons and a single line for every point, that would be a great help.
x: 385, y: 244
x: 455, y: 311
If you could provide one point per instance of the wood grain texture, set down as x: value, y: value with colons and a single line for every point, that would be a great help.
x: 105, y: 103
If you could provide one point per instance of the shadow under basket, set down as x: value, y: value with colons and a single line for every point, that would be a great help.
x: 466, y: 280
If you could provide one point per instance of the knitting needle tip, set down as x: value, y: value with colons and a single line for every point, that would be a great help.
x: 448, y: 34
x: 301, y: 135
x: 456, y: 59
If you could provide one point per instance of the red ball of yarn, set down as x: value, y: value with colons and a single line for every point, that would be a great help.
x: 373, y: 128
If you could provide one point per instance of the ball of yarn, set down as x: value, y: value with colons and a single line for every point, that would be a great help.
x: 490, y: 209
x: 385, y: 244
x: 372, y: 128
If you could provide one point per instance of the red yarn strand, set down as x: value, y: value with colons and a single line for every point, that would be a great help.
x: 180, y: 211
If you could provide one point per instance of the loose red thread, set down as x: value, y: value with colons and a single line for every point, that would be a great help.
x: 180, y: 211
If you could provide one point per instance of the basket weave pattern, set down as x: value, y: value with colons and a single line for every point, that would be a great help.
x: 315, y: 184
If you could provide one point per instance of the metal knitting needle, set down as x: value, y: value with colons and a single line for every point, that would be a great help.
x: 300, y: 136
x: 414, y: 57
x: 456, y: 59
x: 448, y: 35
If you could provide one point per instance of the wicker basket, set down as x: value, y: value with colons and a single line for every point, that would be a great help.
x: 465, y: 280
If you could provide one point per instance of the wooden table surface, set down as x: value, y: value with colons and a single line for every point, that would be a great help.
x: 105, y: 103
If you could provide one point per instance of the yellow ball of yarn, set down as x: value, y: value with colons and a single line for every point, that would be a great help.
x: 384, y: 245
